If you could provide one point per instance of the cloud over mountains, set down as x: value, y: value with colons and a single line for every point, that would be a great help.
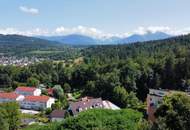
x: 92, y: 31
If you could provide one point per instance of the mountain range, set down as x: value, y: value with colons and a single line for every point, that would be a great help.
x: 77, y: 39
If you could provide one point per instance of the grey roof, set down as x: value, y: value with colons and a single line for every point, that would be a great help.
x: 82, y: 105
x: 57, y: 114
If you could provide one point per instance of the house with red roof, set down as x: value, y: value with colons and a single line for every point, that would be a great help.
x: 28, y: 91
x: 37, y: 102
x: 10, y: 97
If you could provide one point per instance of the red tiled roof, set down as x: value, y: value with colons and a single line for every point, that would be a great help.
x: 26, y: 89
x: 37, y: 98
x: 9, y: 95
x: 50, y: 91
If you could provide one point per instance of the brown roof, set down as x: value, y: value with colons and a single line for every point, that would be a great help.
x: 82, y: 105
x: 58, y: 114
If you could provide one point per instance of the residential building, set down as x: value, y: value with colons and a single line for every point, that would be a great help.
x: 90, y: 103
x: 10, y: 97
x: 37, y: 102
x: 50, y: 91
x: 28, y: 91
x: 57, y: 115
x: 109, y: 105
x: 154, y: 99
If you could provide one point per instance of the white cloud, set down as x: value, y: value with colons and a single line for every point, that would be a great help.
x: 36, y: 31
x: 29, y: 10
x: 90, y: 31
x: 60, y: 30
x: 93, y: 32
x: 152, y: 29
x: 165, y: 29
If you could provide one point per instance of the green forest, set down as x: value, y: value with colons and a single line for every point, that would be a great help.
x: 23, y: 46
x: 122, y: 74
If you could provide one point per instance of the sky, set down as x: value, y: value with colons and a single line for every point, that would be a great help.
x: 94, y: 17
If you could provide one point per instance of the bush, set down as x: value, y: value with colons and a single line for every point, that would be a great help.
x: 101, y: 119
x: 98, y: 119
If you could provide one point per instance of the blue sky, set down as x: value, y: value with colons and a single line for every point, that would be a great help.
x: 104, y: 17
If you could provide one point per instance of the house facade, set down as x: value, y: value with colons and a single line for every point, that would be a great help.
x: 154, y: 99
x: 57, y: 115
x: 10, y: 97
x: 37, y: 102
x: 87, y: 103
x: 28, y: 91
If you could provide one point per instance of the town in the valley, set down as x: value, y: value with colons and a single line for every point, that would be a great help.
x: 22, y: 61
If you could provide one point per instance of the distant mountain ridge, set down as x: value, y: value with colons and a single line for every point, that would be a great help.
x: 23, y: 40
x: 17, y: 44
x: 73, y: 39
x: 146, y: 37
x: 77, y: 39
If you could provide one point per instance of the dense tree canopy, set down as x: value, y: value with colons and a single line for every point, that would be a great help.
x: 122, y: 74
x: 10, y: 116
x: 135, y: 67
x: 100, y: 120
x: 174, y: 113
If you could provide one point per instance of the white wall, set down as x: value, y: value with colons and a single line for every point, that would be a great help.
x: 33, y: 105
x: 50, y: 102
x: 57, y: 119
x: 24, y: 93
x: 20, y: 98
x: 37, y: 105
x: 37, y: 92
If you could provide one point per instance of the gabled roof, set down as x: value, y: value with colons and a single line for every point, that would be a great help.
x: 37, y: 98
x: 9, y: 95
x: 26, y: 89
x: 58, y: 114
x: 110, y: 105
x: 82, y: 105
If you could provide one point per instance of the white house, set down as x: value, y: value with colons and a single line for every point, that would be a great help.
x: 10, y: 97
x: 28, y: 91
x: 37, y: 102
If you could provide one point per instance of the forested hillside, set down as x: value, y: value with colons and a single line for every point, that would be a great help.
x: 162, y: 48
x: 108, y: 71
x: 154, y: 64
x: 20, y: 46
x: 121, y: 74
